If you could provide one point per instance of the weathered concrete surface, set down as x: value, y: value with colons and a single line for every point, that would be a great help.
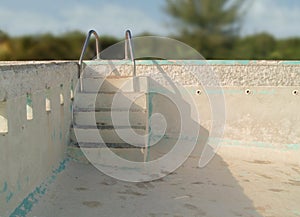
x: 18, y: 79
x: 31, y: 149
x: 261, y: 143
x: 230, y: 73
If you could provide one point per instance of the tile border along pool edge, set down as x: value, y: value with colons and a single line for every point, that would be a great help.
x: 197, y: 62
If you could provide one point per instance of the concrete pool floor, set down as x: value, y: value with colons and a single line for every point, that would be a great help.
x: 225, y: 187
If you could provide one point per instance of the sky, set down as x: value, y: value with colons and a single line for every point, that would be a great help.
x: 277, y: 17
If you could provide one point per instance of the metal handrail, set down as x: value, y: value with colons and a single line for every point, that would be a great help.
x: 85, y: 46
x: 128, y: 41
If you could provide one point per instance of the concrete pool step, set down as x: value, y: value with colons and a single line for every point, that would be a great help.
x: 133, y: 100
x: 87, y: 134
x: 95, y: 154
x: 115, y: 84
x: 124, y: 99
x: 106, y: 145
x: 104, y: 118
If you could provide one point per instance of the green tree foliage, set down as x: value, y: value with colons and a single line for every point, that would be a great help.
x: 288, y: 49
x: 67, y: 46
x: 257, y: 46
x: 265, y: 46
x: 206, y: 16
x: 209, y: 26
x: 5, y: 48
x: 212, y: 27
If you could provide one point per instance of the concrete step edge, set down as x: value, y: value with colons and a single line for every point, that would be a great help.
x: 110, y: 92
x: 107, y: 109
x: 105, y: 145
x: 108, y: 127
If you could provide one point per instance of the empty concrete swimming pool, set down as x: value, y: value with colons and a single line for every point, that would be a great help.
x: 54, y: 164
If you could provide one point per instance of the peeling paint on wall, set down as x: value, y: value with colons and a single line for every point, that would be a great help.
x: 4, y: 189
x: 26, y: 205
x: 9, y: 196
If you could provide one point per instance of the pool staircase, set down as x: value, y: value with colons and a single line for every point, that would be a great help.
x: 110, y: 112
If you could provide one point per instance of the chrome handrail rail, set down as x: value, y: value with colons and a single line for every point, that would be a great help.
x: 128, y: 41
x: 85, y: 46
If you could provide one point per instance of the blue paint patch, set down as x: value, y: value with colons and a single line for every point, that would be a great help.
x: 296, y: 212
x: 29, y: 99
x: 257, y: 144
x: 9, y: 196
x: 4, y: 189
x: 62, y: 167
x: 293, y: 146
x: 26, y: 206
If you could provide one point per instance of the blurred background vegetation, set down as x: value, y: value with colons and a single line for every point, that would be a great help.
x: 211, y: 27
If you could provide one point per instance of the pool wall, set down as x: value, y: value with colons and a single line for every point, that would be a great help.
x: 35, y: 119
x: 262, y: 103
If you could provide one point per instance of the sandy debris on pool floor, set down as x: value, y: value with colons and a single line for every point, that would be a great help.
x: 229, y: 187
